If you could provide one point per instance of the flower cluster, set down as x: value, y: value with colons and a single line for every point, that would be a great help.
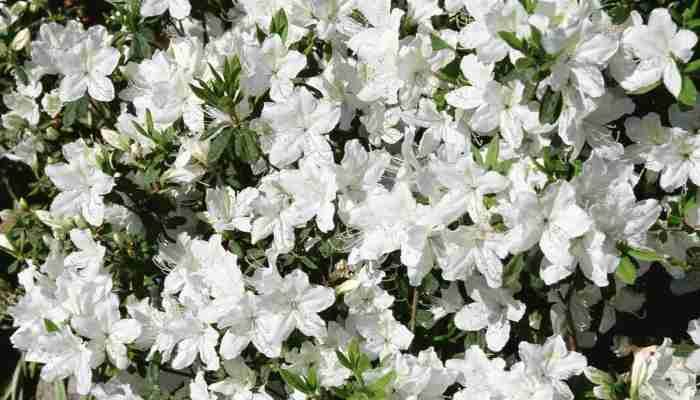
x: 351, y: 199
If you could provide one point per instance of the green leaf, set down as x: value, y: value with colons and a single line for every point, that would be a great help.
x: 279, y: 24
x: 295, y: 381
x: 683, y: 349
x: 438, y: 43
x: 524, y: 63
x: 73, y: 110
x: 513, y: 41
x: 150, y: 126
x: 50, y: 326
x: 140, y: 48
x: 343, y: 360
x: 536, y: 37
x: 578, y: 167
x: 22, y: 75
x: 693, y: 24
x: 689, y: 93
x: 246, y: 145
x: 353, y: 351
x: 219, y: 145
x: 478, y: 158
x: 153, y: 370
x: 645, y: 255
x: 492, y: 153
x: 626, y: 271
x: 312, y: 380
x: 692, y: 67
x: 307, y: 262
x: 380, y: 385
x: 59, y: 390
x: 691, y: 11
x: 362, y: 364
x: 551, y: 107
x: 511, y: 273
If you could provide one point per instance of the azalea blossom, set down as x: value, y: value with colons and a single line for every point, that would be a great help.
x: 658, y: 46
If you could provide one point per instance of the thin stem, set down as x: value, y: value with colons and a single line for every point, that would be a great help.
x: 414, y: 309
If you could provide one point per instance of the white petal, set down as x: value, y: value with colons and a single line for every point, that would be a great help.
x: 472, y: 317
x: 151, y: 8
x: 553, y: 273
x: 555, y: 246
x: 100, y: 88
x: 672, y: 78
x: 73, y: 87
x: 105, y: 61
x: 125, y: 330
x: 466, y: 97
x: 497, y: 334
x: 683, y: 43
x: 674, y: 176
x: 180, y: 9
x: 117, y: 354
x: 485, y: 119
x: 233, y: 344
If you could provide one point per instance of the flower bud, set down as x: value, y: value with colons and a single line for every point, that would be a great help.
x: 5, y: 242
x: 52, y: 133
x: 347, y: 286
x: 18, y: 8
x: 21, y: 40
x: 22, y: 203
x: 119, y: 142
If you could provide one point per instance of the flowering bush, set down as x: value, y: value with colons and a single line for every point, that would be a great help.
x: 350, y: 199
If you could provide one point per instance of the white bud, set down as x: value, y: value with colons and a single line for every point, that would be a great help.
x: 21, y: 40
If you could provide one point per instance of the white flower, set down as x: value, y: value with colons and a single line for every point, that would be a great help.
x: 381, y: 218
x: 275, y: 68
x: 492, y: 309
x: 377, y: 49
x: 383, y: 334
x: 199, y: 390
x: 250, y: 321
x: 470, y: 246
x: 228, y: 211
x: 553, y: 220
x: 299, y: 124
x: 595, y: 256
x: 545, y: 367
x: 658, y: 46
x: 496, y: 105
x: 64, y: 354
x: 490, y: 19
x: 679, y: 159
x: 22, y: 103
x: 108, y: 332
x: 298, y: 303
x: 87, y: 67
x: 82, y: 184
x: 161, y: 85
x: 480, y: 377
x: 418, y: 64
x: 657, y: 373
x: 583, y: 53
x: 89, y: 258
x: 114, y: 390
x: 313, y: 187
x: 449, y: 302
x: 179, y: 9
x: 577, y: 128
